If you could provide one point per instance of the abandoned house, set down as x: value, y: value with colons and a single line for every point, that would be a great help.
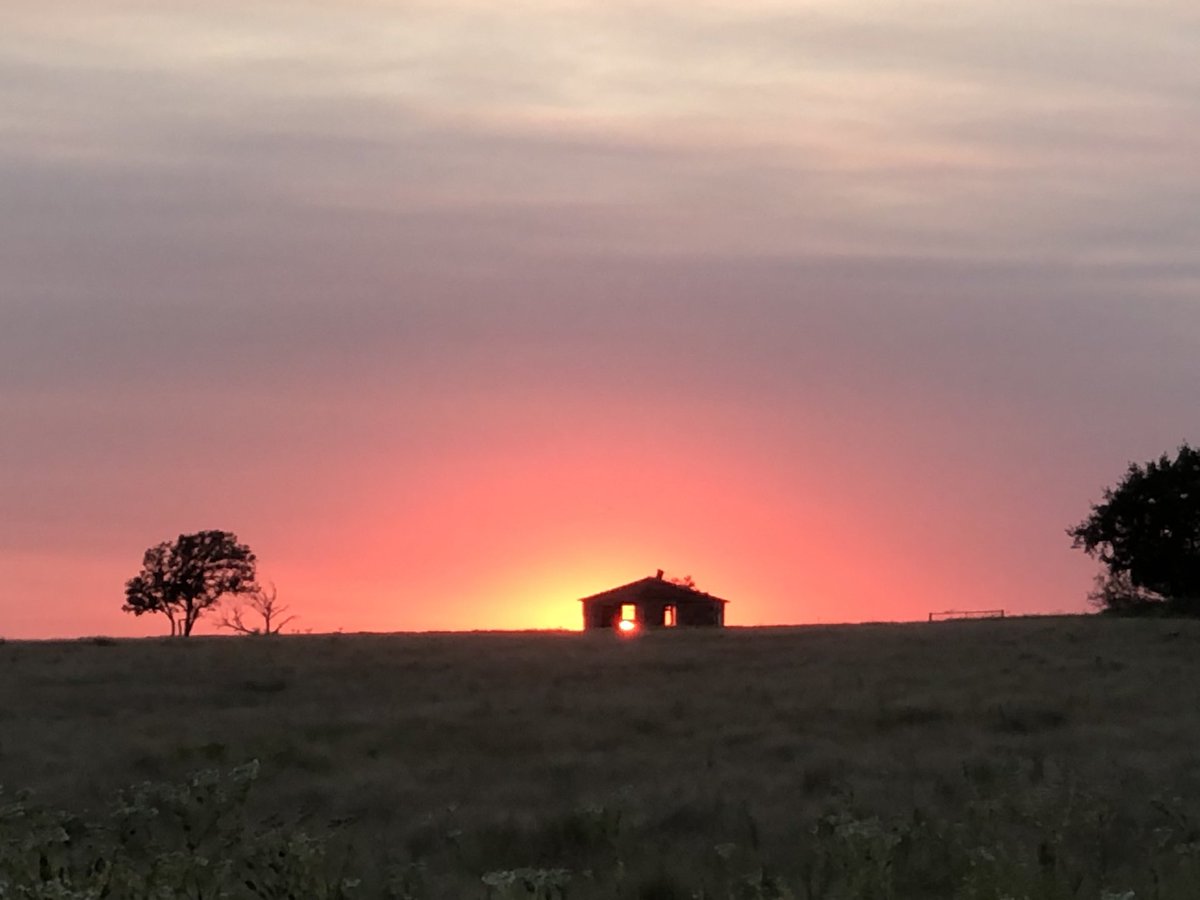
x: 652, y: 603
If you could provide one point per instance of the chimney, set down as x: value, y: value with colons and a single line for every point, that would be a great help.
x: 659, y: 574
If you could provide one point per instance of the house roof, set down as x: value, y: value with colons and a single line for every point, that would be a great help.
x: 652, y: 588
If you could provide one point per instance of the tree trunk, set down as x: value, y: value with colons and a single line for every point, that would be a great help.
x: 190, y: 612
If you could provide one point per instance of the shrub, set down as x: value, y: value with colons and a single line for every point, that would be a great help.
x: 160, y: 841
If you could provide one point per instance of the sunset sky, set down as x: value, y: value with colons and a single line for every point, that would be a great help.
x: 458, y: 311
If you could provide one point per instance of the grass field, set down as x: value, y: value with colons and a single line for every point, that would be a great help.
x: 1038, y: 758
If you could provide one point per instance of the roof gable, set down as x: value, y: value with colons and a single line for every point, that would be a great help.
x: 652, y: 588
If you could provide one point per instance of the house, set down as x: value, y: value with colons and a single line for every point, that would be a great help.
x: 652, y: 603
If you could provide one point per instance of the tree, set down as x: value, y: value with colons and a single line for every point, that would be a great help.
x: 183, y: 578
x: 1146, y: 532
x: 264, y: 604
x: 1115, y: 592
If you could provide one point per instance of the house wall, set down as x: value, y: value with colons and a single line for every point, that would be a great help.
x: 700, y: 614
x: 651, y: 614
x: 600, y: 615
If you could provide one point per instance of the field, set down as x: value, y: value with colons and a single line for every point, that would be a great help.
x: 1038, y: 758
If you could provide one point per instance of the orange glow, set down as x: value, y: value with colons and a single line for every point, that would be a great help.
x: 511, y: 535
x: 627, y: 626
x: 511, y: 532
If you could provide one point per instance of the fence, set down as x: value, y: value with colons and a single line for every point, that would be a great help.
x: 966, y: 614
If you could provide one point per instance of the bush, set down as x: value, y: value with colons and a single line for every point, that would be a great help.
x: 162, y: 841
x: 1042, y: 837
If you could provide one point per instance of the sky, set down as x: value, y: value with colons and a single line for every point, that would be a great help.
x: 456, y: 312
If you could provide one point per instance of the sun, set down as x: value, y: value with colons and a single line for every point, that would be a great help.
x: 627, y: 626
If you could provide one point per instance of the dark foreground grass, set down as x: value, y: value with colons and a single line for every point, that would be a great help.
x: 1038, y: 758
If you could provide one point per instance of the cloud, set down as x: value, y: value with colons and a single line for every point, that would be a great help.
x: 848, y: 128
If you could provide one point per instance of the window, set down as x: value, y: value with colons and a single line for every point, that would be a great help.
x: 628, y: 612
x: 669, y: 616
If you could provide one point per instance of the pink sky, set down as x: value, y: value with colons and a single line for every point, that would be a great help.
x: 458, y: 312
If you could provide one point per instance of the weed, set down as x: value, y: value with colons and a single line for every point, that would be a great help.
x: 163, y: 840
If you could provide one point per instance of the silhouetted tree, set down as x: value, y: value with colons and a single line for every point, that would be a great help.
x: 686, y: 581
x: 1146, y: 532
x: 1115, y: 592
x: 183, y: 578
x: 262, y: 603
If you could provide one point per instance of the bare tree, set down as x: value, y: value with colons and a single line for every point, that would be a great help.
x: 261, y: 603
x: 1115, y: 592
x: 686, y: 581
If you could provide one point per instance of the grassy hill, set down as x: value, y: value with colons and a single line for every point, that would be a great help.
x: 1026, y: 757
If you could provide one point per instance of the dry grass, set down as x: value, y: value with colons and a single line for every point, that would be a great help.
x: 473, y: 752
